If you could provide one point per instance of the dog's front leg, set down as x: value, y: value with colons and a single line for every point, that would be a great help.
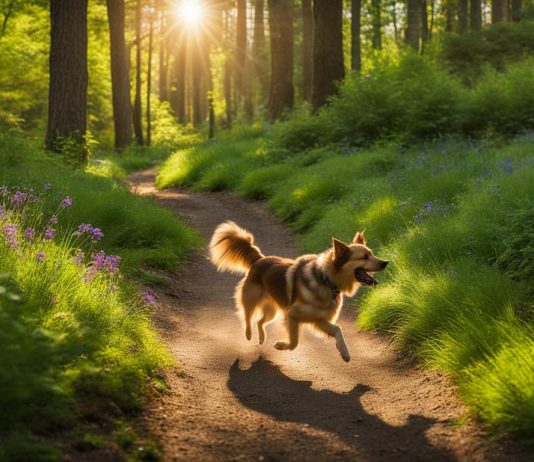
x: 335, y: 331
x: 294, y: 332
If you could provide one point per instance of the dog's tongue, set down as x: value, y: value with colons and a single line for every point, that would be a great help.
x: 364, y: 277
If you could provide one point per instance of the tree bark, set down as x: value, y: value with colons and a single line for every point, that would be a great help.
x: 475, y: 18
x: 450, y: 15
x: 149, y: 80
x: 413, y: 21
x: 120, y: 75
x: 328, y: 66
x: 137, y: 109
x: 424, y: 23
x: 163, y: 53
x: 281, y: 92
x: 259, y: 52
x: 515, y: 10
x: 67, y: 100
x: 307, y: 49
x: 356, y: 39
x: 376, y: 21
x: 496, y: 11
x: 227, y: 78
x: 240, y: 50
x: 463, y: 16
x: 177, y: 95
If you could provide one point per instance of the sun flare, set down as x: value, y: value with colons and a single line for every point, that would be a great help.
x: 190, y: 11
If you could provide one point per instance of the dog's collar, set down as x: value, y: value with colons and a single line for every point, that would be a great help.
x: 328, y: 283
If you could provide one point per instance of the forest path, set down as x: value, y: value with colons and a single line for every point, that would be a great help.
x: 235, y: 400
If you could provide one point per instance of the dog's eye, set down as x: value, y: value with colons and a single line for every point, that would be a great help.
x: 365, y: 256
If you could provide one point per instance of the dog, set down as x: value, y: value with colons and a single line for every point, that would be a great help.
x: 308, y: 290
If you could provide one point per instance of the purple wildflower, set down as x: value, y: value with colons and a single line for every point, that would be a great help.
x: 10, y: 233
x: 53, y: 220
x: 3, y: 213
x: 19, y: 197
x: 40, y: 256
x: 67, y: 202
x: 29, y: 234
x: 101, y: 262
x: 49, y: 234
x: 97, y: 233
x: 79, y: 258
x: 47, y: 186
x: 149, y: 297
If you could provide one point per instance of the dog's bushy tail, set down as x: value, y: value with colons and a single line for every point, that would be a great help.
x: 232, y: 248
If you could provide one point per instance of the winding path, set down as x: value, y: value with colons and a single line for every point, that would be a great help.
x: 234, y: 400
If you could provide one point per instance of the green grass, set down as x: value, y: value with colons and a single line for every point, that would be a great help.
x: 77, y: 344
x: 454, y: 217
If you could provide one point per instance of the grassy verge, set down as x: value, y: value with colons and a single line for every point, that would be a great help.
x: 77, y: 346
x: 454, y: 217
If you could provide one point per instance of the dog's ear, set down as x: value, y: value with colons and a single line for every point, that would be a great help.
x: 359, y: 238
x: 340, y: 248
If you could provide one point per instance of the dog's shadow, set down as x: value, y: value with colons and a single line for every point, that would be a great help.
x: 265, y: 388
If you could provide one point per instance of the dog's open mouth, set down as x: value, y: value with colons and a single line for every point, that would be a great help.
x: 364, y: 277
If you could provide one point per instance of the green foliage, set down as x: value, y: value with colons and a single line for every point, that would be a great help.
x: 498, y: 45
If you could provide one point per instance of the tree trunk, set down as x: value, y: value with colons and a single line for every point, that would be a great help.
x: 227, y: 78
x: 496, y: 11
x: 463, y: 16
x: 307, y: 49
x: 515, y: 11
x: 281, y: 92
x: 120, y: 75
x: 424, y: 24
x: 177, y: 95
x: 328, y: 66
x: 413, y: 21
x: 356, y: 39
x: 376, y: 21
x: 240, y: 50
x: 149, y: 80
x: 259, y: 52
x: 137, y: 110
x: 67, y: 103
x: 7, y: 14
x: 163, y: 53
x: 475, y: 19
x: 450, y: 15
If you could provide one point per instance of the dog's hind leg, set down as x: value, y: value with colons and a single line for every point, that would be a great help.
x: 294, y: 333
x: 248, y: 296
x: 269, y: 313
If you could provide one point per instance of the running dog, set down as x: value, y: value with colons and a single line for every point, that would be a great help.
x: 308, y: 290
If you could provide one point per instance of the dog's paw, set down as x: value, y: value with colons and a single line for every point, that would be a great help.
x: 345, y: 354
x: 281, y: 345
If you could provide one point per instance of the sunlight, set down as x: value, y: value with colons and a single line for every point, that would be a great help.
x: 190, y: 11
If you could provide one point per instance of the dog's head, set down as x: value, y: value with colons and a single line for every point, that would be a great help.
x: 356, y: 260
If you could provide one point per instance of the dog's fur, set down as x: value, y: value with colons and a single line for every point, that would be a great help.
x: 308, y: 290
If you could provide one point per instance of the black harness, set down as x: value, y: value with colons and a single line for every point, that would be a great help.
x: 328, y: 283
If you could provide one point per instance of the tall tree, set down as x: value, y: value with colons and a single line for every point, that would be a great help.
x: 451, y: 7
x: 424, y: 24
x: 376, y: 22
x: 413, y: 24
x: 259, y: 52
x: 120, y: 75
x: 475, y: 17
x: 7, y: 14
x: 281, y: 92
x: 356, y: 40
x: 307, y: 49
x: 228, y: 75
x: 463, y: 16
x: 515, y: 10
x: 240, y: 54
x: 328, y: 66
x: 496, y: 11
x: 163, y: 58
x: 67, y: 99
x: 177, y: 96
x: 137, y: 109
x: 149, y: 78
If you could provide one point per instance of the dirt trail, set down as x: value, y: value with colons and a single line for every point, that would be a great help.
x: 235, y: 400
